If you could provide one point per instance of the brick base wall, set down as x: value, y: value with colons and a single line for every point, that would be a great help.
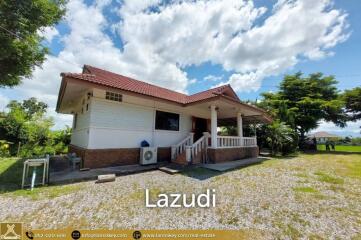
x: 98, y: 158
x: 217, y: 155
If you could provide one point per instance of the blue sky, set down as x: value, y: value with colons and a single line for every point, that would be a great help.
x: 191, y: 46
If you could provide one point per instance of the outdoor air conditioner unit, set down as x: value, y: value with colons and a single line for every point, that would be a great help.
x: 148, y: 155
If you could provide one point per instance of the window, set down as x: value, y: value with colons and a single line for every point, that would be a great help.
x: 113, y: 96
x: 166, y: 121
x: 87, y: 107
x: 75, y: 120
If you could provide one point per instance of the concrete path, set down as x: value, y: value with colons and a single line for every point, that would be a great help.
x: 221, y: 167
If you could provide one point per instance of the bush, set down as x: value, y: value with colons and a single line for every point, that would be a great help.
x: 27, y: 125
x: 4, y: 148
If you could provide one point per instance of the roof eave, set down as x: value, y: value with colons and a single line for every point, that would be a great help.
x: 61, y: 93
x: 82, y: 81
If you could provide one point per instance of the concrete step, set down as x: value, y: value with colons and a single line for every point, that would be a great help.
x: 169, y: 170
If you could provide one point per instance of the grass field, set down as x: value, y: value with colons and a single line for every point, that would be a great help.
x: 309, y: 196
x: 340, y: 148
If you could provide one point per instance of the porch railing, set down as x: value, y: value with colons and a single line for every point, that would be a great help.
x: 249, y: 141
x: 233, y: 141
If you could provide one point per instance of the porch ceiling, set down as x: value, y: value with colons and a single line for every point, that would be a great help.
x: 228, y: 109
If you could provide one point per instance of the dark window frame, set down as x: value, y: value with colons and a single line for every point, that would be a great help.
x: 167, y: 121
x: 112, y: 96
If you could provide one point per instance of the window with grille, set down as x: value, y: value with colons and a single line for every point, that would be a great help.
x: 113, y: 96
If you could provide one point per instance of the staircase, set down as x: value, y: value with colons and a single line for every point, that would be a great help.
x: 187, y: 152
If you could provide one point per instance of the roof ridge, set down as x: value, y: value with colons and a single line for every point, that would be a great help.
x: 208, y: 90
x: 108, y: 78
x: 143, y: 82
x: 186, y: 95
x: 76, y: 74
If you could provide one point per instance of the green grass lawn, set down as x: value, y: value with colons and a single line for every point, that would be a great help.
x: 11, y: 170
x: 340, y: 148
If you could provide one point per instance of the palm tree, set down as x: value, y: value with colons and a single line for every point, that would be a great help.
x: 280, y: 137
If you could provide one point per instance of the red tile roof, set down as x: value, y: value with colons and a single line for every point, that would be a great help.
x: 109, y: 79
x: 207, y: 94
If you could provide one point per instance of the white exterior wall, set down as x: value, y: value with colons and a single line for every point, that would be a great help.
x: 110, y: 124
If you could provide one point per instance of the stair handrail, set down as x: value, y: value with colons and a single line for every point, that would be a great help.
x: 180, y: 147
x: 196, y: 148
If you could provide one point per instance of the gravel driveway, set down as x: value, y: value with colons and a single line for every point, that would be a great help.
x: 301, y: 197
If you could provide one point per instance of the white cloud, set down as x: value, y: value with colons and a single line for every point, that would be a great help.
x: 159, y: 44
x: 317, y: 54
x: 192, y: 81
x: 135, y: 6
x: 225, y: 33
x: 189, y: 32
x: 49, y: 33
x: 289, y: 33
x: 213, y: 78
x: 352, y: 128
x: 245, y: 82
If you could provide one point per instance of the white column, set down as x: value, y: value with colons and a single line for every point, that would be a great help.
x: 213, y: 126
x: 239, y: 125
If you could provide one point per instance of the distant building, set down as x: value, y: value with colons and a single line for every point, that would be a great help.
x: 322, y: 137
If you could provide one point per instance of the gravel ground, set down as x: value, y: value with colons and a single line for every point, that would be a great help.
x: 283, y: 198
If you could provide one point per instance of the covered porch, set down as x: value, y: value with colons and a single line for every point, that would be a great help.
x: 211, y: 146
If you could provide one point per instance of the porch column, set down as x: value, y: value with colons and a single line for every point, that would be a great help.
x: 213, y: 126
x: 239, y: 125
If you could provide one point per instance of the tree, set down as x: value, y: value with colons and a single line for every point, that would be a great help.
x: 281, y: 138
x: 26, y: 123
x: 352, y: 100
x: 30, y: 107
x: 20, y: 24
x: 302, y: 102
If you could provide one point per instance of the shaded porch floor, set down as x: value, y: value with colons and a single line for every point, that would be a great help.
x: 225, y: 166
x: 70, y: 176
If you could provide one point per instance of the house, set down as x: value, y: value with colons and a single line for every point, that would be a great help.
x: 322, y: 137
x: 113, y: 114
